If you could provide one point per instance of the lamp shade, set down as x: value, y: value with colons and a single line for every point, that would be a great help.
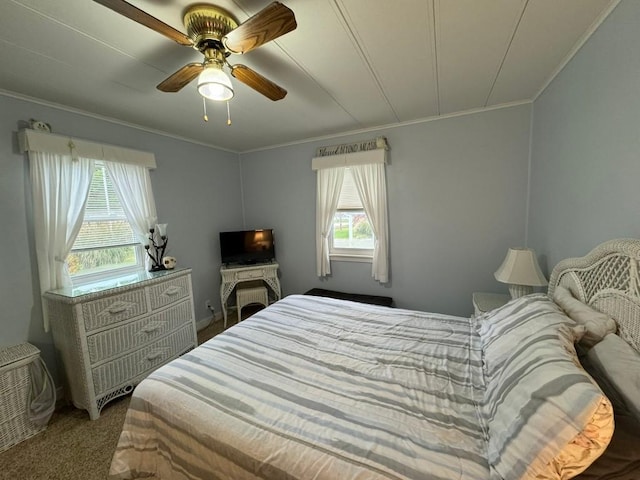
x: 214, y: 84
x: 520, y: 267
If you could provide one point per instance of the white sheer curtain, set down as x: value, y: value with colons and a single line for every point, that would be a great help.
x: 133, y: 186
x: 370, y: 182
x: 60, y: 186
x: 327, y: 196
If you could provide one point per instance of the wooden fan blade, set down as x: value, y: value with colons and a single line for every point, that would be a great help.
x: 143, y: 18
x: 259, y: 83
x: 268, y: 24
x: 176, y: 81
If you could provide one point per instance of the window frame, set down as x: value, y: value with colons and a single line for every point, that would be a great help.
x: 91, y: 277
x: 85, y: 278
x: 350, y: 254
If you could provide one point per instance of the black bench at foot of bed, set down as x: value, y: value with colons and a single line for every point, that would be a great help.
x: 354, y: 297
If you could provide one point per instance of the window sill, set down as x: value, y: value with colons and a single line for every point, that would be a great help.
x: 116, y: 282
x: 342, y: 257
x: 106, y: 276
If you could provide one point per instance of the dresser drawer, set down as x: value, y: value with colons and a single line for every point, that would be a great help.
x: 138, y: 333
x: 108, y: 310
x: 144, y: 360
x: 169, y: 291
x: 250, y: 274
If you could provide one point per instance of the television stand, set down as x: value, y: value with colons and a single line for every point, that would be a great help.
x: 232, y: 275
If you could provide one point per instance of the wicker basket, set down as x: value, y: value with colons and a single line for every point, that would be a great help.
x: 15, y: 385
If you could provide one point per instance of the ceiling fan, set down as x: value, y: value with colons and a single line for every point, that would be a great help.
x: 217, y: 34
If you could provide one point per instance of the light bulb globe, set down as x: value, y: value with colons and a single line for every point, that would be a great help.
x: 214, y: 84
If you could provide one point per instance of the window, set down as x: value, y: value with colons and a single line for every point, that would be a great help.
x: 351, y: 233
x: 343, y: 230
x: 106, y: 242
x: 61, y: 171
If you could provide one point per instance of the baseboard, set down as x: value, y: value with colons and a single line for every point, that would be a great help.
x: 205, y: 322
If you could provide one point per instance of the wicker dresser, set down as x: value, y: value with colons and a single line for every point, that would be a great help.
x: 113, y: 335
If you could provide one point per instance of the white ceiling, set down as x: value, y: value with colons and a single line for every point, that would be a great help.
x: 350, y: 64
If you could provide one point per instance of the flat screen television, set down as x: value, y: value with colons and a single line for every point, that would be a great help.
x: 247, y: 247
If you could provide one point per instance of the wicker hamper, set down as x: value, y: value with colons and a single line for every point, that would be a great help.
x: 15, y: 386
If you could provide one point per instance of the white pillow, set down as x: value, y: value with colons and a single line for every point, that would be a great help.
x: 597, y: 324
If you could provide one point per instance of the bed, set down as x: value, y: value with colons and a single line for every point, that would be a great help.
x: 321, y: 388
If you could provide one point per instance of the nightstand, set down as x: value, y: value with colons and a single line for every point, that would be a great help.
x: 483, y: 302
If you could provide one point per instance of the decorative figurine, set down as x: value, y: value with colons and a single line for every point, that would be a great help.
x: 169, y: 262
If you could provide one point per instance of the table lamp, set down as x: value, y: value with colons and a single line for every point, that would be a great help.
x: 521, y: 271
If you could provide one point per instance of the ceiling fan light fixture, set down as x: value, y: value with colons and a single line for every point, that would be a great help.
x: 214, y: 84
x: 216, y: 33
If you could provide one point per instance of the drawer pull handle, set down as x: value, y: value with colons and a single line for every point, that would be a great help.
x: 173, y: 291
x: 117, y: 309
x: 152, y: 356
x: 150, y: 328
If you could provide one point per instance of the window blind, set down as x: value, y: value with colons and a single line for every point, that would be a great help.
x: 349, y: 198
x: 105, y: 223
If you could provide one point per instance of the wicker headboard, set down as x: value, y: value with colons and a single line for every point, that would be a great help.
x: 608, y: 279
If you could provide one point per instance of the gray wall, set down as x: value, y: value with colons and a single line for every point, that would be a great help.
x: 457, y: 191
x: 586, y: 144
x: 196, y: 190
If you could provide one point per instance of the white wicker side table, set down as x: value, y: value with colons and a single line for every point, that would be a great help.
x: 233, y: 275
x: 248, y: 294
x: 484, y: 302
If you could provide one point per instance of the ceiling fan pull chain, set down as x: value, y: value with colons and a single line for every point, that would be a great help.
x: 228, y: 114
x: 204, y: 106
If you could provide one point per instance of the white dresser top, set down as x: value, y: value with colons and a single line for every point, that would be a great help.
x: 140, y: 278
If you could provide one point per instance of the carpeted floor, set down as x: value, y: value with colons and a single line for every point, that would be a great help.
x: 74, y: 447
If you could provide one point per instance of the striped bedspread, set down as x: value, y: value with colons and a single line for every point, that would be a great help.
x: 315, y: 388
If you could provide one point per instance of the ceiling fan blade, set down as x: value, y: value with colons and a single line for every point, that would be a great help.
x: 268, y: 24
x: 176, y: 81
x: 259, y: 83
x: 143, y: 18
